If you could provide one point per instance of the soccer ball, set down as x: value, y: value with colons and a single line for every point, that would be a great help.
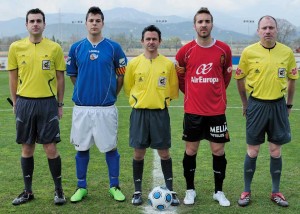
x: 160, y: 198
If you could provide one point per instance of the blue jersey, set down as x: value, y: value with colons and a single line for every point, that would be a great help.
x: 96, y: 68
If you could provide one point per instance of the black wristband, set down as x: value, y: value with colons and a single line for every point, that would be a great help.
x: 60, y: 104
x: 289, y: 106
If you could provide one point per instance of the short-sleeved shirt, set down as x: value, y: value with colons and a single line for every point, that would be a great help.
x: 207, y: 74
x: 151, y: 83
x: 37, y: 65
x: 267, y: 70
x: 96, y: 68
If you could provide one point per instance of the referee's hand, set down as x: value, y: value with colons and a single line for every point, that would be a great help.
x: 60, y: 112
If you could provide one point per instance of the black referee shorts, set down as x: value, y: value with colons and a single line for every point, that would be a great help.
x: 267, y: 117
x: 150, y: 128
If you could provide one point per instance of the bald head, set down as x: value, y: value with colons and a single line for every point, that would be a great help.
x: 267, y: 17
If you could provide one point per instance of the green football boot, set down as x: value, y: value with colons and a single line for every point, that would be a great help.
x: 79, y: 195
x: 116, y: 193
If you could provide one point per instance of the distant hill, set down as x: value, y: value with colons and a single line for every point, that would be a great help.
x: 131, y: 22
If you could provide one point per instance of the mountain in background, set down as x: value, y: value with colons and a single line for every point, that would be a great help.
x: 131, y: 23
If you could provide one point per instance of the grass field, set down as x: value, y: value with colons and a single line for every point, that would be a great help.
x: 98, y: 200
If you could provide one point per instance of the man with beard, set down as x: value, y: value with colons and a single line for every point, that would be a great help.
x: 204, y: 68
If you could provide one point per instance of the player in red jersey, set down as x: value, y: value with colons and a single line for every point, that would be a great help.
x: 204, y: 68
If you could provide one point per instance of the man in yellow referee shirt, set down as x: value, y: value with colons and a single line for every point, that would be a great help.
x: 267, y: 71
x: 36, y: 78
x: 151, y: 83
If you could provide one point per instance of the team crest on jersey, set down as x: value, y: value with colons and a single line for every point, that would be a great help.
x: 281, y: 72
x: 46, y: 64
x: 222, y: 59
x: 93, y: 56
x: 162, y: 81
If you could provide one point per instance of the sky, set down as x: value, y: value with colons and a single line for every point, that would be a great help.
x: 243, y: 9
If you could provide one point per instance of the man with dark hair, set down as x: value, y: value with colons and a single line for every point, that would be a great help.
x: 267, y: 71
x: 36, y: 77
x: 96, y: 66
x: 151, y: 83
x: 204, y: 69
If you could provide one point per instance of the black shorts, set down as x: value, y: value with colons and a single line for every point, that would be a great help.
x: 211, y: 128
x: 267, y: 117
x: 150, y: 128
x: 37, y: 120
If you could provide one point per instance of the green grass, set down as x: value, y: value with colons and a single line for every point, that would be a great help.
x: 98, y: 200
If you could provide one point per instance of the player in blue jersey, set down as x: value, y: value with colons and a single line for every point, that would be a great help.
x: 96, y: 66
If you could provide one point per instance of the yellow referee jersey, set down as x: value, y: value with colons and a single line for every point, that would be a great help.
x: 37, y: 65
x: 150, y: 84
x: 267, y: 70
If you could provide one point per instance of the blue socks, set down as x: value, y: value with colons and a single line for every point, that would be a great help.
x: 113, y: 164
x: 82, y: 161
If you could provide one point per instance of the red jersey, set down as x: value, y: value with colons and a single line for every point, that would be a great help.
x: 207, y: 74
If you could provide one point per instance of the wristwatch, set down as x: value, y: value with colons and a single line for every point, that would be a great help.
x: 289, y: 106
x: 60, y: 104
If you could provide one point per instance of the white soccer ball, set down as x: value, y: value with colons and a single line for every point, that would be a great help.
x: 160, y: 198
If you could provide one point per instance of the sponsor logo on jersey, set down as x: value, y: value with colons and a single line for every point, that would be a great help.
x: 122, y: 62
x: 204, y: 80
x: 46, y: 64
x: 141, y: 79
x: 69, y: 59
x: 201, y: 71
x: 204, y: 69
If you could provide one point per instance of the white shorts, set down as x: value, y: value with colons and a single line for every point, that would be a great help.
x: 94, y: 125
